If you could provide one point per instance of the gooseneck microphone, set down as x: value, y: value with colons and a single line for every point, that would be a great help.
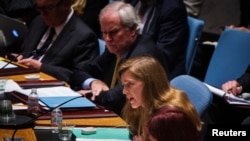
x: 30, y: 120
x: 51, y: 109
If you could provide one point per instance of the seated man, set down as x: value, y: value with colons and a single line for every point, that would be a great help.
x: 120, y: 28
x: 89, y: 11
x: 237, y: 87
x: 166, y: 22
x: 72, y: 44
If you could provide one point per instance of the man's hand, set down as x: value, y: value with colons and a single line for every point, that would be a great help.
x: 18, y: 57
x: 84, y: 92
x: 232, y: 87
x: 32, y: 63
x: 97, y: 86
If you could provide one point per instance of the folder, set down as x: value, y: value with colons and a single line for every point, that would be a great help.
x: 67, y: 102
x: 104, y: 134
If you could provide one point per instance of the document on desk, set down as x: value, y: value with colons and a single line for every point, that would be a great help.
x: 53, y: 96
x: 5, y: 65
x: 104, y: 134
x: 230, y: 98
x: 57, y: 91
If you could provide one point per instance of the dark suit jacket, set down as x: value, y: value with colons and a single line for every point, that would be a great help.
x: 102, y: 68
x: 75, y: 45
x: 167, y: 24
x: 244, y: 80
x: 91, y: 14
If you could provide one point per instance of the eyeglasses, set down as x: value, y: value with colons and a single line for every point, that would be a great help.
x: 49, y: 8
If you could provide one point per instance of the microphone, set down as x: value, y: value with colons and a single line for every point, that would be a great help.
x: 28, y: 120
x: 51, y: 109
x: 14, y: 58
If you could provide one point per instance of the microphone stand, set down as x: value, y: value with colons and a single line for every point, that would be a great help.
x: 34, y: 119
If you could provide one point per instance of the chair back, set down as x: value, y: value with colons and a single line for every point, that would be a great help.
x: 101, y: 46
x: 195, y: 30
x: 230, y: 58
x: 197, y: 92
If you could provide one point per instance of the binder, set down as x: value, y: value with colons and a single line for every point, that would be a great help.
x: 103, y: 134
x: 66, y: 102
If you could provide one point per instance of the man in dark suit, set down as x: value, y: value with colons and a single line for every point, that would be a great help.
x: 89, y: 11
x: 119, y: 25
x: 166, y: 22
x: 73, y: 44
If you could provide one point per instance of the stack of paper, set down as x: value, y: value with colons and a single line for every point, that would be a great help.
x: 230, y: 98
x: 53, y: 96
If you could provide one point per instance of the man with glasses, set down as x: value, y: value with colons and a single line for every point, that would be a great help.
x: 72, y: 43
x: 120, y: 29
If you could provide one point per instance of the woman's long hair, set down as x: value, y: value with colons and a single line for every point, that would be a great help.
x: 157, y: 92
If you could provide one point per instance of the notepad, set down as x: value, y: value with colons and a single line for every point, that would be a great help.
x: 6, y: 65
x: 80, y: 102
x: 104, y: 134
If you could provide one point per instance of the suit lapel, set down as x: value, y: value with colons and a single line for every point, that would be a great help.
x: 61, y: 41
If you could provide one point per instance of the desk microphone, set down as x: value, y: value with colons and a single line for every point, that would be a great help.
x: 14, y: 58
x: 29, y: 120
x: 51, y: 109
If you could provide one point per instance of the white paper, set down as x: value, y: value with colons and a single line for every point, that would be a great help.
x: 42, y: 92
x: 216, y: 91
x: 3, y: 63
x: 230, y: 98
x: 12, y: 86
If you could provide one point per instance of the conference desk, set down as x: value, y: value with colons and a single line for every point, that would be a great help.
x: 30, y: 134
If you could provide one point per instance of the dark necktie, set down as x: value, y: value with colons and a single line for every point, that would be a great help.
x: 114, y: 78
x: 42, y: 50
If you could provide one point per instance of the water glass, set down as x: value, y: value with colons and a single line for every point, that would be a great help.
x: 65, y: 132
x: 6, y: 112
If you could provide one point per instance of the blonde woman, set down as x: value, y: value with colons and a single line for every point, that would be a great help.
x: 147, y: 89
